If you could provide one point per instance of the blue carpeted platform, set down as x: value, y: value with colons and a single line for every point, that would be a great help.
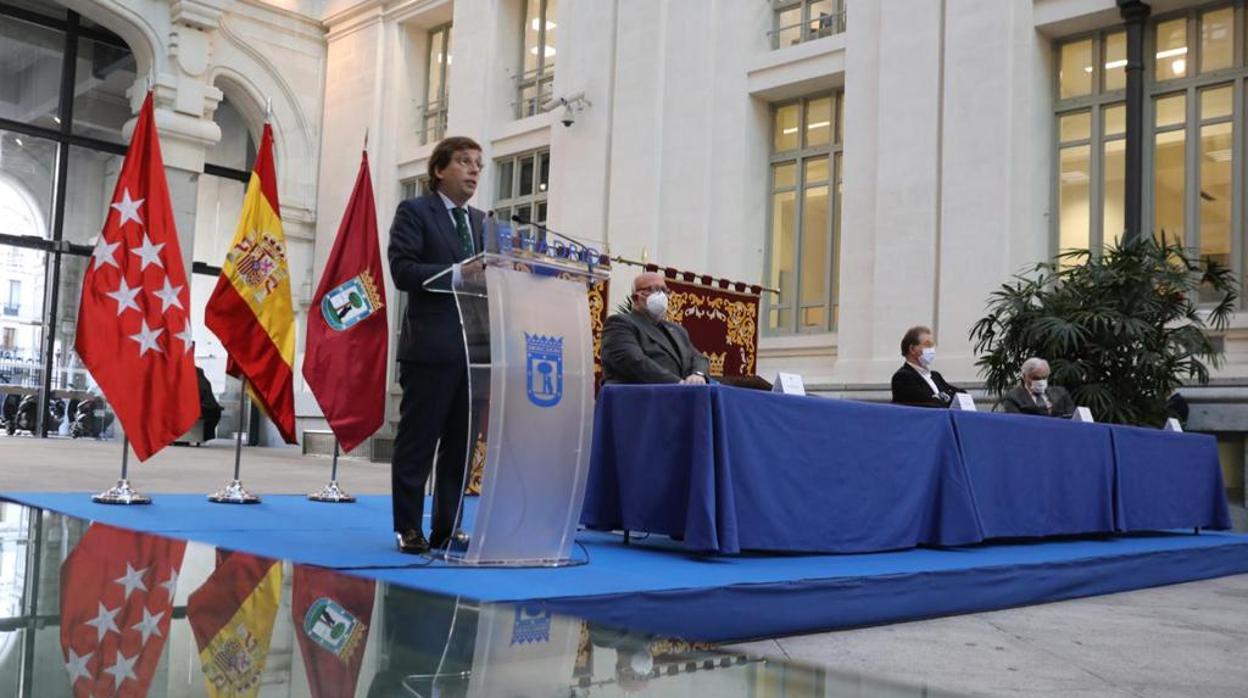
x: 654, y: 586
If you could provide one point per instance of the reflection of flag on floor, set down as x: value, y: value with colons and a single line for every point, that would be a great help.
x: 134, y: 317
x: 232, y: 616
x: 331, y: 613
x: 250, y: 310
x: 116, y: 601
x: 345, y: 364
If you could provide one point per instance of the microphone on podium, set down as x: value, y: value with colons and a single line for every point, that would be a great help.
x: 587, y: 254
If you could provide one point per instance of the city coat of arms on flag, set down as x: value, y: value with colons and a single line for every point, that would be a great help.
x: 350, y: 302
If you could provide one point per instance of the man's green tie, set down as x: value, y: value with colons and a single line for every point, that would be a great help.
x: 461, y: 227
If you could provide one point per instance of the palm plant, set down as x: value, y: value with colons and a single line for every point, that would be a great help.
x: 1121, y: 331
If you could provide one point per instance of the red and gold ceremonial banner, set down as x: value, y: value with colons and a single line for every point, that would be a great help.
x: 116, y: 602
x: 250, y: 310
x: 232, y: 616
x: 134, y: 321
x: 345, y: 360
x: 721, y: 317
x: 331, y: 613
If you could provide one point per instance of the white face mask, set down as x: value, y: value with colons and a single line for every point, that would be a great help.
x: 1039, y: 385
x: 656, y: 305
x: 927, y: 357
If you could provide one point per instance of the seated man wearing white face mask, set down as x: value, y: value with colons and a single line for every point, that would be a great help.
x: 1035, y: 395
x: 642, y: 347
x: 915, y: 383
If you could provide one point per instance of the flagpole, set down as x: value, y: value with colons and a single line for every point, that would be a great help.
x: 235, y: 493
x: 122, y: 493
x: 332, y: 493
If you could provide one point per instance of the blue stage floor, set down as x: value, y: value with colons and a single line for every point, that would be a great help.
x: 653, y: 586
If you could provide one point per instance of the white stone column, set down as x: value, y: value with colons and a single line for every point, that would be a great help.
x: 889, y: 243
x: 994, y: 164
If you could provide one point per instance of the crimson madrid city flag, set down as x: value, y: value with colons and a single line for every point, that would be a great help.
x: 348, y: 335
x: 134, y: 321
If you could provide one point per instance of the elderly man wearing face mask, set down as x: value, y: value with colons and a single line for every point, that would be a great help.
x: 642, y: 347
x: 915, y: 383
x: 1035, y: 395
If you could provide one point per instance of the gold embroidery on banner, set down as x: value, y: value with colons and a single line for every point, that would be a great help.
x: 717, y: 362
x: 597, y: 302
x: 675, y: 646
x: 478, y: 467
x: 740, y: 320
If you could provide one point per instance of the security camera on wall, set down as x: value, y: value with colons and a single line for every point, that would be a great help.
x: 571, y: 105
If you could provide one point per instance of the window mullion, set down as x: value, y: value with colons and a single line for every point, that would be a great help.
x: 764, y: 323
x: 1191, y: 177
x: 829, y: 229
x: 445, y: 67
x: 799, y: 236
x: 1239, y: 183
x: 541, y: 47
x: 799, y: 220
x: 1096, y: 190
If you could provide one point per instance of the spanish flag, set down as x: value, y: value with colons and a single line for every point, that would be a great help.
x: 250, y: 309
x: 232, y: 617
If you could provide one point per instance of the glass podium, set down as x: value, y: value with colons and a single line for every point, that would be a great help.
x: 524, y: 311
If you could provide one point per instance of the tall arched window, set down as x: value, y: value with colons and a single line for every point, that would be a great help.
x: 63, y: 105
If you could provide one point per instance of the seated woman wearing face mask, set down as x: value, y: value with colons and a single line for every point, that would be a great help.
x: 915, y: 383
x: 642, y: 347
x: 1035, y: 395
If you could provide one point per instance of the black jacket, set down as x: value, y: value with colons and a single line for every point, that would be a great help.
x: 1020, y: 401
x: 423, y: 242
x: 635, y: 349
x: 909, y: 388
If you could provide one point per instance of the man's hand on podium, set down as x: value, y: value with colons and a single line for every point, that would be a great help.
x: 694, y: 379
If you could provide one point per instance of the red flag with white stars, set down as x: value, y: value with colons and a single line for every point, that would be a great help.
x: 134, y: 321
x: 117, y: 591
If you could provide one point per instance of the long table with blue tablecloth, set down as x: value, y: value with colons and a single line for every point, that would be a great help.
x: 730, y: 469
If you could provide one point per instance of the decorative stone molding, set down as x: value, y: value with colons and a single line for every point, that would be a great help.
x: 195, y: 13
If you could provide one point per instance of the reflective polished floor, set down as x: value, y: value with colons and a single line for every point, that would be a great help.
x: 88, y: 609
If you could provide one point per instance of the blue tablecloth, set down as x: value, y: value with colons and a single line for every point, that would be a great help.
x: 1034, y: 476
x: 731, y: 469
x: 1168, y: 480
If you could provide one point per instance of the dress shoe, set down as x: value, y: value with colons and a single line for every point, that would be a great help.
x: 412, y: 542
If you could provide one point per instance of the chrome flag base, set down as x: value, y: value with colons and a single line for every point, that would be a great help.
x: 233, y: 493
x: 331, y: 493
x: 121, y: 493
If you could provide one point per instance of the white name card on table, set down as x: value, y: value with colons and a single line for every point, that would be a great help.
x: 1172, y: 424
x: 789, y: 384
x: 1082, y: 414
x: 964, y: 402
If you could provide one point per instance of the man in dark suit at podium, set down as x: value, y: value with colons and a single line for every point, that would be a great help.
x: 915, y: 383
x: 430, y: 234
x: 642, y: 347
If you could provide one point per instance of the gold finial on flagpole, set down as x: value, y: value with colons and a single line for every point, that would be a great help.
x: 366, y: 140
x: 268, y: 109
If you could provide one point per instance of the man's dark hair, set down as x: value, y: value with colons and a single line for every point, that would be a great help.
x: 911, y: 337
x: 443, y: 152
